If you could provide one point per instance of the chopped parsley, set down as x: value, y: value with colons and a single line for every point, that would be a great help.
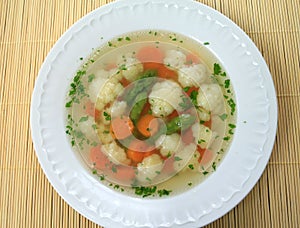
x: 217, y: 69
x: 77, y: 90
x: 163, y: 192
x: 91, y: 77
x: 107, y: 116
x: 144, y: 191
x: 206, y: 43
x: 191, y: 166
x: 176, y: 158
x: 193, y: 97
x: 83, y: 119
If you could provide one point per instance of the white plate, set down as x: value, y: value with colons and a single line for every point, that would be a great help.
x: 241, y: 167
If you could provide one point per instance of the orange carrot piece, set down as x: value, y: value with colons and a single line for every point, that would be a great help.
x: 121, y: 127
x: 124, y: 82
x: 98, y: 158
x: 208, y: 123
x: 124, y: 173
x: 89, y: 108
x: 152, y: 65
x: 205, y: 155
x: 147, y: 125
x: 188, y: 136
x: 150, y: 54
x: 173, y: 115
x: 165, y: 72
x: 138, y: 150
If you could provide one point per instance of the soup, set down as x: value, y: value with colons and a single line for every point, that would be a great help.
x: 152, y: 113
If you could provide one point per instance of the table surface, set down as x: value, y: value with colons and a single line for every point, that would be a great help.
x: 28, y: 30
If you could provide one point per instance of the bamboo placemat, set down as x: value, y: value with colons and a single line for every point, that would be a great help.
x: 29, y: 28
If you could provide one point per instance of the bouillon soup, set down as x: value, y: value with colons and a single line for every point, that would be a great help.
x: 152, y: 113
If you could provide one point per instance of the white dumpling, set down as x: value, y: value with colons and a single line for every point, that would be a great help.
x: 210, y: 97
x: 94, y: 87
x: 192, y: 75
x: 130, y: 67
x: 115, y: 153
x: 149, y: 168
x: 164, y: 98
x: 168, y: 144
x: 108, y: 93
x: 174, y: 58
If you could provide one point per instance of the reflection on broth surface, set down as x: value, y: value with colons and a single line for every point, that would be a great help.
x: 152, y: 113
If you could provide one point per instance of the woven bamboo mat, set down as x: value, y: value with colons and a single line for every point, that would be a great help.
x: 29, y: 28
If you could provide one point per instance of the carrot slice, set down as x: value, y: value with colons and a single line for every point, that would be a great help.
x: 208, y: 123
x: 89, y: 108
x: 121, y: 127
x: 124, y: 82
x: 150, y: 54
x: 147, y: 125
x: 187, y: 136
x: 192, y: 59
x: 124, y: 173
x: 206, y: 155
x: 98, y: 158
x: 151, y: 65
x: 138, y: 150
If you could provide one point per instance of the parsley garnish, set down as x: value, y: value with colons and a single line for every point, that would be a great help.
x: 83, y: 119
x: 191, y: 166
x: 91, y: 77
x: 107, y: 116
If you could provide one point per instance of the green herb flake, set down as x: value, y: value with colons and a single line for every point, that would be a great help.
x: 127, y: 38
x: 94, y: 171
x: 232, y: 126
x: 190, y: 184
x: 217, y: 69
x: 163, y: 192
x: 144, y: 191
x: 201, y: 141
x: 191, y: 166
x: 226, y: 138
x: 227, y: 83
x: 110, y: 44
x: 223, y: 116
x: 123, y: 67
x: 81, y: 58
x: 206, y: 43
x: 214, y: 166
x: 176, y: 158
x: 91, y: 77
x: 114, y: 169
x: 107, y: 116
x: 83, y: 119
x: 102, y: 178
x: 120, y: 39
x: 185, y: 89
x: 193, y: 97
x: 205, y: 173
